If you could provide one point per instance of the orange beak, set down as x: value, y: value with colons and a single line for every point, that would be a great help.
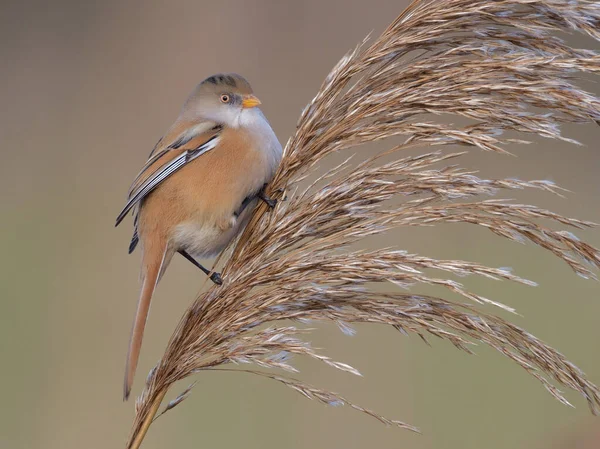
x: 250, y: 101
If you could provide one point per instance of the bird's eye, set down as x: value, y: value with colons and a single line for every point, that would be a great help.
x: 225, y: 98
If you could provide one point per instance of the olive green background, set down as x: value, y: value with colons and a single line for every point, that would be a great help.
x: 86, y: 90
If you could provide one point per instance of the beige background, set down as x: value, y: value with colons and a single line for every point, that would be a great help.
x: 86, y: 90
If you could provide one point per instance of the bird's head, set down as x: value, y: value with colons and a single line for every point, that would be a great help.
x: 225, y: 99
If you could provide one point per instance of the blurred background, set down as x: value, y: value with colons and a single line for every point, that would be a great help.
x: 87, y: 89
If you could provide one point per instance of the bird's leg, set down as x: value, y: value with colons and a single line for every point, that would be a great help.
x: 214, y: 276
x: 263, y: 196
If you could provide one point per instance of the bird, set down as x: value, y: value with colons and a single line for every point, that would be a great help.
x: 199, y: 186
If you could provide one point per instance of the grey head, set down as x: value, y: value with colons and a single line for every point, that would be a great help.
x: 223, y: 99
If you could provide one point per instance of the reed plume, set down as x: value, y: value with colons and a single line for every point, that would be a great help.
x: 499, y: 69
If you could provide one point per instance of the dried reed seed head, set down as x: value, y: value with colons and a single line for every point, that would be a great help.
x: 493, y: 63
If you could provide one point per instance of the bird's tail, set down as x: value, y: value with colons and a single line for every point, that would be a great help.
x: 155, y: 259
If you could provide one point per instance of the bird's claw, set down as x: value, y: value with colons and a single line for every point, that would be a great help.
x: 271, y: 202
x: 216, y: 278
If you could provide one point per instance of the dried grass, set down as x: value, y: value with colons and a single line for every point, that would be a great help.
x: 498, y: 64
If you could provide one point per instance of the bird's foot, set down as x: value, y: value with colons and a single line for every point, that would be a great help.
x: 216, y: 278
x: 271, y: 202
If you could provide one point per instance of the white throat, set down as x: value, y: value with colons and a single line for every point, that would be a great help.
x: 254, y: 121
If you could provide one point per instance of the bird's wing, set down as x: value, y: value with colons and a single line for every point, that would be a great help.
x: 170, y: 154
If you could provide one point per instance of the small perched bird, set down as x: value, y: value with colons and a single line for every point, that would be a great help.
x: 199, y: 186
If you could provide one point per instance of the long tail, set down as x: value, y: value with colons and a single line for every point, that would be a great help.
x: 155, y: 260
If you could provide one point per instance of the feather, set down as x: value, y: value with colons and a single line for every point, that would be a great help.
x: 163, y: 173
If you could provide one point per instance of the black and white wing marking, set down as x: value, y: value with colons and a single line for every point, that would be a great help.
x: 163, y: 172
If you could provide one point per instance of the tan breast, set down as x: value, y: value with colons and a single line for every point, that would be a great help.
x: 195, y: 206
